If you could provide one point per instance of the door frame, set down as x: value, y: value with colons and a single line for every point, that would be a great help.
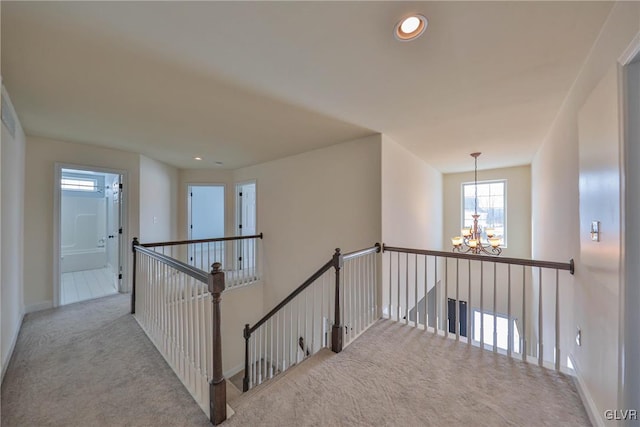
x: 238, y: 213
x: 237, y: 217
x: 628, y: 347
x: 57, y: 205
x: 188, y: 203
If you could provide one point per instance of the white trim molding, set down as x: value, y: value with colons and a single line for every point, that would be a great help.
x: 39, y: 306
x: 628, y: 320
x: 12, y: 347
x: 585, y: 396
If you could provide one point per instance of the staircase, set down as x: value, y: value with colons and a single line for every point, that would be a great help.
x: 369, y: 339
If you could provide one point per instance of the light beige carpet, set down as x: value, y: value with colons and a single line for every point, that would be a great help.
x: 90, y: 364
x: 394, y: 375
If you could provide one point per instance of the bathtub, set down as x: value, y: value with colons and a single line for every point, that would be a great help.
x: 83, y: 259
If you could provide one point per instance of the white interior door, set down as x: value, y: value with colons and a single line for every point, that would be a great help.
x: 206, y: 221
x: 115, y: 238
x: 246, y: 223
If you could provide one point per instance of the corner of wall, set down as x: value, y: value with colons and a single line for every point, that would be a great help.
x: 411, y: 198
x: 12, y: 199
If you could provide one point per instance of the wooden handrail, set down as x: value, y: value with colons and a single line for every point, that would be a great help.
x: 569, y: 266
x: 186, y: 242
x: 292, y: 295
x: 356, y: 254
x: 187, y: 269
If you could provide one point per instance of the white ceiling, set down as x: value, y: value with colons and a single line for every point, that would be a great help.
x: 247, y: 82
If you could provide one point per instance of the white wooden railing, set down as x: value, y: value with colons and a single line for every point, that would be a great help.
x: 240, y: 256
x: 496, y: 303
x: 359, y: 294
x: 177, y: 306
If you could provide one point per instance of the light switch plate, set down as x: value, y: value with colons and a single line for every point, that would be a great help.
x: 579, y: 337
x: 595, y: 231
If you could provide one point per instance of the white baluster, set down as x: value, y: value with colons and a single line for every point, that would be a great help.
x: 457, y: 306
x: 523, y: 347
x: 495, y: 317
x: 557, y: 352
x: 510, y: 324
x: 540, y: 325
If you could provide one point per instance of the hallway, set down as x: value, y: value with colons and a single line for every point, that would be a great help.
x: 90, y: 364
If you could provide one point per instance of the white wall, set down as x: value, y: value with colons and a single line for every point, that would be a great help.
x: 12, y: 236
x: 312, y: 203
x: 41, y: 156
x: 411, y: 207
x: 307, y: 205
x: 590, y: 298
x: 599, y: 290
x: 158, y: 201
x: 411, y: 199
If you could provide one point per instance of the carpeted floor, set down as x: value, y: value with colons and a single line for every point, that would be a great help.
x: 394, y: 375
x: 90, y: 364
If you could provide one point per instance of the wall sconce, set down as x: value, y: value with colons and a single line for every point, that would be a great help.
x: 595, y: 231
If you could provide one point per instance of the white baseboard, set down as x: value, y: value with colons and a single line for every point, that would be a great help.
x: 32, y: 308
x: 585, y: 396
x: 231, y: 372
x: 14, y: 340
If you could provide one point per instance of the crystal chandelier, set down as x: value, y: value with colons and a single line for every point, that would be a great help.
x: 471, y: 239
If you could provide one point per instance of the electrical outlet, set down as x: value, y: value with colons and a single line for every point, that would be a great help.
x: 155, y: 219
x: 579, y: 336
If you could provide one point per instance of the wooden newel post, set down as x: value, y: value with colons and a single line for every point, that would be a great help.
x: 245, y: 379
x: 133, y: 280
x: 336, y: 331
x: 217, y: 385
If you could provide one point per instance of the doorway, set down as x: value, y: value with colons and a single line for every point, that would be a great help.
x: 205, y: 211
x: 246, y: 224
x: 630, y: 287
x: 89, y: 234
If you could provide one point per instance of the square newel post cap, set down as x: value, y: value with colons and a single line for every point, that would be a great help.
x: 216, y: 279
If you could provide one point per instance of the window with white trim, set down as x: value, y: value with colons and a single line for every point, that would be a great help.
x: 492, y: 207
x: 85, y: 185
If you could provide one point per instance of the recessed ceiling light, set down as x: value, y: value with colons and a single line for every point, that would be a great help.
x: 197, y: 158
x: 410, y: 28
